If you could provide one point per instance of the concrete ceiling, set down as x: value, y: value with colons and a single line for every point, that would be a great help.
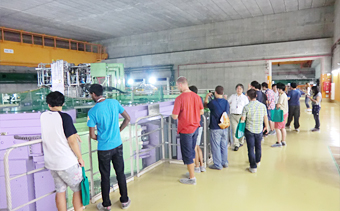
x: 100, y: 19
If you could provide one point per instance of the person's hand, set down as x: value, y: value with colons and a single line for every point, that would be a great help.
x: 225, y: 97
x: 81, y: 162
x: 209, y: 94
x: 265, y: 129
x: 309, y: 96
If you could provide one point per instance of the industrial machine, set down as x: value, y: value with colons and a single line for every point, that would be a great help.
x: 74, y: 81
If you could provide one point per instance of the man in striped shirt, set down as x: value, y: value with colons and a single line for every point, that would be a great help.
x: 255, y: 113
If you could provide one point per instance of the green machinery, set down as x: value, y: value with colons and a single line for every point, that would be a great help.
x: 108, y: 75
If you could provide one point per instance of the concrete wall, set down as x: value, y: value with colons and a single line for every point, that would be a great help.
x: 208, y: 76
x: 336, y: 52
x: 337, y: 20
x: 293, y: 71
x: 299, y: 25
x: 11, y: 88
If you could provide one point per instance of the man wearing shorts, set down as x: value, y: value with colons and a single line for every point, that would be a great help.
x: 199, y: 165
x: 280, y: 126
x: 188, y: 109
x: 61, y: 151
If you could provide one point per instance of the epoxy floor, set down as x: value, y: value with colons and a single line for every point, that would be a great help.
x: 301, y: 176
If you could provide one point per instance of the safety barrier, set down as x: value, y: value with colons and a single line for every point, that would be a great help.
x: 132, y: 140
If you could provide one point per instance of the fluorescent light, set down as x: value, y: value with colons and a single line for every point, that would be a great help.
x: 130, y: 81
x: 119, y: 81
x: 152, y: 80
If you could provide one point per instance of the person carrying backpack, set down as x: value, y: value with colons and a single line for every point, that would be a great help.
x: 218, y: 136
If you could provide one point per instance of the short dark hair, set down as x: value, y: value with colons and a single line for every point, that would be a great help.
x: 96, y: 89
x: 264, y: 84
x: 219, y: 90
x: 251, y: 93
x: 55, y: 99
x: 274, y: 85
x: 239, y: 85
x: 281, y: 86
x: 193, y: 89
x: 258, y: 86
x: 293, y: 85
x: 255, y: 84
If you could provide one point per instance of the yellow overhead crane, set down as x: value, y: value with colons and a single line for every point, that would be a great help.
x: 22, y: 48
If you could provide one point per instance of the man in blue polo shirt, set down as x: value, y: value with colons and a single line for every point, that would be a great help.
x: 294, y: 107
x: 105, y: 115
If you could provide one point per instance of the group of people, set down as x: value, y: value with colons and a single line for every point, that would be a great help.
x: 253, y: 107
x: 62, y: 152
x: 64, y: 160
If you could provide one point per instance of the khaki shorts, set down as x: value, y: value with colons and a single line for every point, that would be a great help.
x: 71, y: 177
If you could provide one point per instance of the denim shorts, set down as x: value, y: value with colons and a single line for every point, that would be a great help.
x: 199, y: 136
x: 71, y: 177
x: 269, y: 114
x: 188, y: 144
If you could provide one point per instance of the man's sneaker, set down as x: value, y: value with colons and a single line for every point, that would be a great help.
x: 203, y: 169
x: 126, y: 204
x: 284, y: 143
x: 225, y: 165
x: 287, y: 127
x: 214, y: 167
x: 102, y: 208
x: 297, y: 130
x: 188, y: 181
x: 241, y: 145
x: 315, y: 130
x: 197, y: 170
x: 258, y: 164
x: 252, y: 170
x: 309, y: 110
x: 277, y: 144
x: 272, y: 132
x: 236, y: 148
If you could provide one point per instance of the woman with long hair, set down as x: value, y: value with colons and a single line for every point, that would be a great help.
x: 307, y: 93
x: 316, y: 106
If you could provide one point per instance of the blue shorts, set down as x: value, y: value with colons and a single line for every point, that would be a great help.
x: 188, y: 144
x: 269, y: 115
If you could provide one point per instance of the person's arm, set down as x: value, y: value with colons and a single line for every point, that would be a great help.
x: 92, y: 133
x: 244, y: 115
x: 266, y: 125
x: 126, y: 121
x: 70, y: 133
x: 73, y: 142
x: 177, y: 109
x: 206, y: 101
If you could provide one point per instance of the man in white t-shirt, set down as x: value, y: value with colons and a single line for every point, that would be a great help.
x: 237, y: 102
x: 61, y: 151
x: 276, y: 92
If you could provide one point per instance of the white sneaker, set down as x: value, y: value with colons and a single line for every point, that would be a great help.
x: 203, y: 169
x: 197, y: 170
x: 297, y: 130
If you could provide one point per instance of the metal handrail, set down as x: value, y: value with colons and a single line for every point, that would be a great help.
x: 8, y: 179
x: 90, y: 151
x: 137, y: 143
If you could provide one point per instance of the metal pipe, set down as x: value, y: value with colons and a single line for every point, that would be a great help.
x: 91, y: 168
x: 162, y: 137
x: 170, y: 138
x: 137, y: 147
x: 8, y: 180
x: 27, y: 173
x: 37, y: 199
x: 131, y: 151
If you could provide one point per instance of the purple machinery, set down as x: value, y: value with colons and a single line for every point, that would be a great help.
x: 24, y: 159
